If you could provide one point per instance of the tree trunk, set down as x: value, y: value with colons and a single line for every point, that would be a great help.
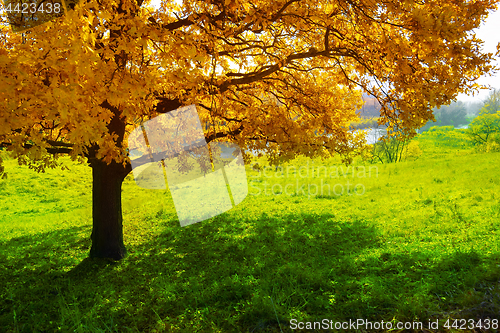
x: 107, y: 230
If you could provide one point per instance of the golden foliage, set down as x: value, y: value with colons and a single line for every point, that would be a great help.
x: 282, y: 76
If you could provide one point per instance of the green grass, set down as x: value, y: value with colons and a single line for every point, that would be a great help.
x: 420, y: 242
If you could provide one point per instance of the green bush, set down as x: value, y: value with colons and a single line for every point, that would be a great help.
x: 492, y: 147
x: 3, y: 174
x: 393, y: 150
x: 485, y: 128
x: 413, y: 150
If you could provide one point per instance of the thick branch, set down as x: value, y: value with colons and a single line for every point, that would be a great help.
x: 257, y: 76
x: 214, y: 136
x: 50, y: 150
x: 156, y: 157
x: 166, y: 105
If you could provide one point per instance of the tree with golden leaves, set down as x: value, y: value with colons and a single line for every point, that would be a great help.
x: 283, y: 76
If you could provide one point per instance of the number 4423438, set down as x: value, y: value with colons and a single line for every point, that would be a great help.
x: 462, y: 324
x: 32, y: 8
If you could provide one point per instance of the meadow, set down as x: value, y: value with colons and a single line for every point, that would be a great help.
x: 415, y: 241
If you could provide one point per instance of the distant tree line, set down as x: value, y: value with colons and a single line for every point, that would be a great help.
x: 459, y: 113
x: 454, y: 114
x: 371, y: 108
x: 482, y: 118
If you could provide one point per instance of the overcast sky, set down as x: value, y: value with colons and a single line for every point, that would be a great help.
x: 489, y: 32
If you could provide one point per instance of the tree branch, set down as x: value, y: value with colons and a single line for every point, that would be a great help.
x: 50, y: 150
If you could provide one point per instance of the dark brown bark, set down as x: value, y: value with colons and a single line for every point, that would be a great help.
x: 107, y: 230
x: 107, y: 179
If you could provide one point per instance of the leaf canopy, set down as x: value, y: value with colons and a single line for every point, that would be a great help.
x: 282, y: 76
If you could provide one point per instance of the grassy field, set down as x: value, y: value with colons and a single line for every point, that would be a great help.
x: 407, y: 242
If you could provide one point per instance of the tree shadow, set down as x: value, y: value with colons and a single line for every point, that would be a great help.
x: 221, y: 264
x: 32, y: 269
x: 262, y: 272
x: 237, y: 274
x: 89, y: 267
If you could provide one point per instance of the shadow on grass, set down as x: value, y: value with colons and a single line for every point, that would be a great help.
x: 257, y: 275
x: 232, y: 275
x: 31, y: 268
x: 248, y: 270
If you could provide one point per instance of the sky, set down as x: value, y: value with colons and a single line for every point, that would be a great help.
x: 489, y: 32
